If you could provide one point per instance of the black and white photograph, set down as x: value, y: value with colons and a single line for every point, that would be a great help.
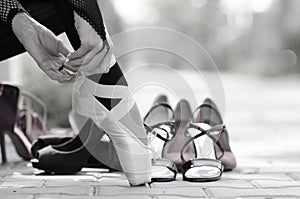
x: 149, y: 99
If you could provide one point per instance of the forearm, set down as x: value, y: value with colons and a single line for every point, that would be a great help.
x: 89, y: 10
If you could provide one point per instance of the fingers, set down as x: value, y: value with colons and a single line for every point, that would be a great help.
x: 62, y: 48
x: 97, y: 61
x: 57, y: 76
x: 85, y: 59
x: 71, y: 68
x: 51, y: 68
x: 80, y: 52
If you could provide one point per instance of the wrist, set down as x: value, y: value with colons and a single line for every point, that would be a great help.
x: 22, y: 24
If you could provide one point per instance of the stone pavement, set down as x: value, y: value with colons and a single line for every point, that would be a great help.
x: 264, y: 128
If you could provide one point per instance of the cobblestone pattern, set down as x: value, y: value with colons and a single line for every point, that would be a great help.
x: 22, y: 182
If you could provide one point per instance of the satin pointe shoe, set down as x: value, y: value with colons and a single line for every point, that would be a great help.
x: 209, y: 113
x: 159, y: 125
x: 133, y: 153
x: 9, y: 97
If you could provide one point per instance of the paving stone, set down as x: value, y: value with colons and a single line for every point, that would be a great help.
x: 260, y: 176
x: 174, y: 197
x: 274, y: 192
x: 275, y: 184
x: 71, y: 190
x: 295, y: 176
x: 22, y: 184
x: 171, y: 191
x: 219, y: 183
x: 53, y: 196
x: 18, y: 196
x: 21, y: 177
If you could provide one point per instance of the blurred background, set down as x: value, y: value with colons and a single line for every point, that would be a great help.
x: 255, y: 45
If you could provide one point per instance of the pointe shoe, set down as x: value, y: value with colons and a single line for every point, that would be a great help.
x: 89, y: 101
x: 209, y: 114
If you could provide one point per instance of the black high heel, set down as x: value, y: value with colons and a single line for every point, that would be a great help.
x: 159, y: 125
x: 9, y: 97
x: 206, y: 166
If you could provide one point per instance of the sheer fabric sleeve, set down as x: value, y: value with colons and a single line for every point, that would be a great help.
x: 9, y: 9
x: 90, y: 11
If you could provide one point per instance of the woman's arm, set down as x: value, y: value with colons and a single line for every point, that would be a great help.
x: 45, y: 48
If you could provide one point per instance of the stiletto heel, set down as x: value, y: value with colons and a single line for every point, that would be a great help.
x: 2, y: 144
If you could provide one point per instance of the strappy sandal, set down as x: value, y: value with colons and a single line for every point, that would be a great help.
x: 159, y: 124
x: 183, y: 117
x: 209, y: 114
x: 206, y: 166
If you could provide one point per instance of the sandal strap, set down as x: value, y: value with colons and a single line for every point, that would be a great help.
x: 159, y: 104
x: 150, y: 128
x: 166, y: 163
x: 204, y: 132
x: 200, y: 162
x: 158, y: 126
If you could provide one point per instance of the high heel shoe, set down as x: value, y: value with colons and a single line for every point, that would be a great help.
x: 205, y: 166
x: 159, y: 125
x: 172, y: 148
x: 209, y: 114
x: 194, y: 156
x: 9, y: 97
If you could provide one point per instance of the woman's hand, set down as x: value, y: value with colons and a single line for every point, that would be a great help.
x: 46, y: 49
x: 94, y: 56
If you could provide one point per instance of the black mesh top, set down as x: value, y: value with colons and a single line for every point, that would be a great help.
x: 87, y: 9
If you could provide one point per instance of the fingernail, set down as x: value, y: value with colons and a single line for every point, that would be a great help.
x: 69, y: 55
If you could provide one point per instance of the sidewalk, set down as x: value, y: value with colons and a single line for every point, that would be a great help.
x: 263, y: 118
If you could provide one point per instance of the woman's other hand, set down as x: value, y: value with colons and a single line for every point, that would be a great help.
x: 94, y: 56
x: 46, y: 49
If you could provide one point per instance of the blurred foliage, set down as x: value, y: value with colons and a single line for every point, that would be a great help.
x: 257, y: 36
